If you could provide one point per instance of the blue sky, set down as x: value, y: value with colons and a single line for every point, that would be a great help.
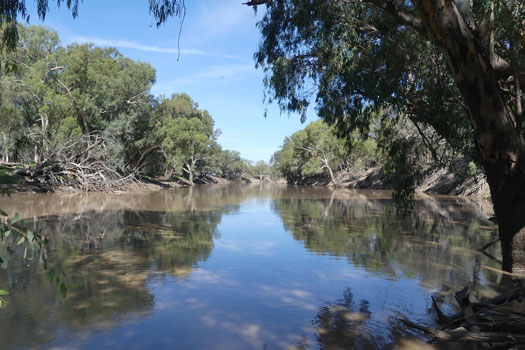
x: 216, y: 66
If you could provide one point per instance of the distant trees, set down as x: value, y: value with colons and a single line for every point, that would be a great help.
x: 318, y: 151
x: 261, y: 170
x: 230, y: 165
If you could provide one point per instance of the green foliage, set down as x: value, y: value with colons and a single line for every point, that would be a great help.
x: 28, y: 245
x: 89, y: 104
x: 318, y: 151
x: 11, y: 11
x: 230, y: 165
x: 369, y: 73
x: 260, y: 169
x: 399, y: 166
x: 186, y: 135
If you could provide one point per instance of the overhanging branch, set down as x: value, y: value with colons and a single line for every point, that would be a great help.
x: 402, y: 16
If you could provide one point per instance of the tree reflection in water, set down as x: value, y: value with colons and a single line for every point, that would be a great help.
x: 140, y: 259
x: 436, y: 241
x: 108, y: 257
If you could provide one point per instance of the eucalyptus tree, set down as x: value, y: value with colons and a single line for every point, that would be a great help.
x: 314, y: 151
x: 230, y: 165
x: 186, y: 134
x: 28, y: 86
x: 261, y: 169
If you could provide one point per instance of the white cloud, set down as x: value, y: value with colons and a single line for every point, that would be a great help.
x: 148, y: 48
x: 223, y: 17
x: 206, y: 77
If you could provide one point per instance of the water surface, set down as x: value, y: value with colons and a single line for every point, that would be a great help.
x: 241, y: 267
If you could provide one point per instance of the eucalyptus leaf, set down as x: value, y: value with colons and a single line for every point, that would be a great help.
x: 3, y: 292
x: 51, y: 275
x: 63, y: 290
x: 3, y: 212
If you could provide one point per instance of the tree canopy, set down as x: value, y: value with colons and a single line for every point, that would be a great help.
x: 85, y: 105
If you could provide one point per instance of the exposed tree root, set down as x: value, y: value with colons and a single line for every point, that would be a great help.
x: 81, y: 164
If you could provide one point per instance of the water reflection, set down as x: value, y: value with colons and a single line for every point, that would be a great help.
x: 241, y: 267
x: 434, y: 242
x: 108, y: 257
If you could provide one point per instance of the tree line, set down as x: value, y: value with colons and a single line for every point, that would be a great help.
x: 91, y: 110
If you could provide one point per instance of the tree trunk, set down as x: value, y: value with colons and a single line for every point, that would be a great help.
x: 190, y: 176
x: 168, y: 174
x: 45, y: 122
x: 496, y: 130
x: 6, y: 149
x: 327, y: 166
x: 36, y: 158
x: 189, y: 169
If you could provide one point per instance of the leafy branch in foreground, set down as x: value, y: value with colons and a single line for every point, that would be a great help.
x: 15, y: 240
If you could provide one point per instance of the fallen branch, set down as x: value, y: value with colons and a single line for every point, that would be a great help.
x: 460, y: 334
x: 491, y: 243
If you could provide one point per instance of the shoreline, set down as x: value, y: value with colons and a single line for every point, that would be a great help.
x: 435, y: 182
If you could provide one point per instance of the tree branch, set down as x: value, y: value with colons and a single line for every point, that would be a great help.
x: 402, y: 16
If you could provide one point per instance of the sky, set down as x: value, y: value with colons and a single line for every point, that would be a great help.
x: 216, y: 66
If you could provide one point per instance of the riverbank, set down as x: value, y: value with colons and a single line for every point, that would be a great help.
x: 435, y: 181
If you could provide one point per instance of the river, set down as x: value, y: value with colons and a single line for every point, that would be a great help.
x: 242, y: 267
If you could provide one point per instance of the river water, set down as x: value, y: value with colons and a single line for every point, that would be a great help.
x: 242, y: 267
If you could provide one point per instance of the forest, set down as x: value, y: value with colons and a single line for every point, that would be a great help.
x: 84, y: 117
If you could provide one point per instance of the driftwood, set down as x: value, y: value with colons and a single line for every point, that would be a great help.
x: 461, y: 334
x: 80, y: 164
x: 480, y: 323
x: 489, y: 244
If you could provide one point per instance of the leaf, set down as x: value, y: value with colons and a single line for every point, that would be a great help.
x: 7, y: 233
x: 63, y: 290
x: 25, y: 252
x: 51, y: 275
x: 15, y: 219
x: 30, y: 236
x: 4, y: 292
x: 21, y: 240
x: 3, y: 212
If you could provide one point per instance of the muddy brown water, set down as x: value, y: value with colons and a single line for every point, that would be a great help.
x: 242, y: 267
